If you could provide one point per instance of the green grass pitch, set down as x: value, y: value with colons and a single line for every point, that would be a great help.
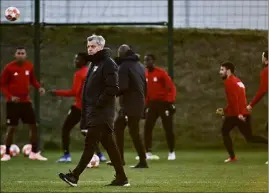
x: 193, y: 171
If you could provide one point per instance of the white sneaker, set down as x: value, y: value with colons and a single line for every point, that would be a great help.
x: 172, y: 156
x: 37, y: 156
x: 149, y: 156
x: 266, y: 162
x: 6, y: 157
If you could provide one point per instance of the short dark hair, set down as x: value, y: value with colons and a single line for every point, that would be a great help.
x: 152, y: 56
x: 229, y: 66
x: 84, y: 56
x: 20, y: 48
x: 265, y: 54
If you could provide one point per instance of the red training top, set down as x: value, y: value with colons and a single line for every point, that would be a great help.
x: 160, y: 87
x: 236, y: 97
x: 15, y: 80
x: 76, y: 90
x: 263, y: 88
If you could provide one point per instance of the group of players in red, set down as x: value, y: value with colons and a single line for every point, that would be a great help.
x: 18, y: 75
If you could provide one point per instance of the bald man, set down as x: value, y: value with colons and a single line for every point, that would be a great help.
x: 132, y: 83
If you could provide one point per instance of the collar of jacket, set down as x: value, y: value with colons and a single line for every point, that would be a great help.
x: 105, y: 53
x: 130, y: 55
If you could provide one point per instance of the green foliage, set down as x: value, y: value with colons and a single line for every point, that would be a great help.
x: 198, y: 54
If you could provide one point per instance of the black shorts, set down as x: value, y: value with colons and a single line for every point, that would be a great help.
x: 19, y: 111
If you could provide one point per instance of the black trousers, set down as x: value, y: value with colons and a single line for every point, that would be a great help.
x: 73, y: 118
x: 156, y: 110
x: 100, y: 133
x: 133, y: 124
x: 244, y: 128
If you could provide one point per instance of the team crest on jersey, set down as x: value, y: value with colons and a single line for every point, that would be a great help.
x: 27, y: 72
x: 241, y: 85
x: 155, y: 79
x: 16, y: 74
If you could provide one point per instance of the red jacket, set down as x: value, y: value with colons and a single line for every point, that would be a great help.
x: 263, y: 88
x: 236, y: 97
x: 76, y: 90
x: 15, y: 80
x: 160, y: 86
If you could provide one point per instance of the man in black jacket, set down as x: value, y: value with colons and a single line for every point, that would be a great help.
x: 132, y: 83
x: 98, y: 111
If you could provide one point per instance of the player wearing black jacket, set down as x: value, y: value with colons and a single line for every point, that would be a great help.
x: 98, y: 111
x: 132, y: 83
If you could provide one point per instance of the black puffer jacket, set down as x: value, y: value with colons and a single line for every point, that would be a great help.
x: 132, y: 83
x: 100, y: 89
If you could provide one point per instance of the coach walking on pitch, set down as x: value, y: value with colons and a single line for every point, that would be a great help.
x: 132, y: 83
x: 98, y: 111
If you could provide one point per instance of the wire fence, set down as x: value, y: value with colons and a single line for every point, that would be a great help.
x: 232, y: 14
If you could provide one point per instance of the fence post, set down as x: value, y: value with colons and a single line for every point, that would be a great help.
x: 187, y: 13
x: 268, y: 37
x: 37, y: 63
x: 170, y: 38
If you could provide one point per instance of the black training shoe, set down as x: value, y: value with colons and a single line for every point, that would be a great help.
x: 69, y: 178
x: 118, y: 182
x: 140, y: 165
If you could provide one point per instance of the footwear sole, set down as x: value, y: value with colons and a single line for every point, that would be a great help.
x: 133, y: 167
x: 125, y: 185
x: 227, y: 162
x: 150, y: 158
x: 62, y: 176
x: 5, y: 160
x: 63, y: 162
x: 38, y: 159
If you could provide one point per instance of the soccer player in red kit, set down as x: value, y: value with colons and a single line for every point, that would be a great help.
x: 236, y: 113
x: 263, y: 88
x: 160, y: 99
x: 15, y: 83
x: 74, y: 114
